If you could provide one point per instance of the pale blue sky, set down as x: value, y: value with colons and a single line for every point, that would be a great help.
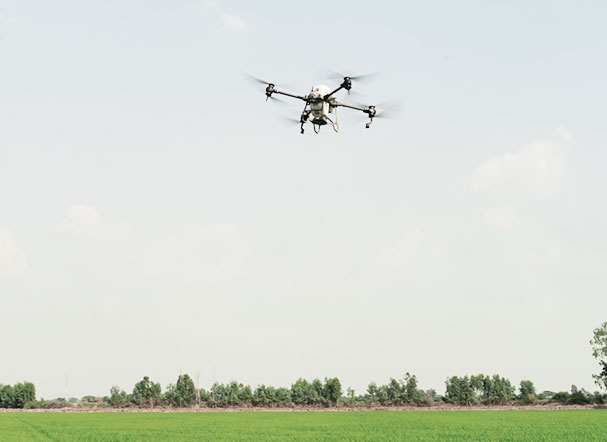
x: 155, y: 214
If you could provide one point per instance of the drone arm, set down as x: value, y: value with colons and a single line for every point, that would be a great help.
x: 299, y: 97
x: 341, y: 86
x: 362, y: 109
x: 346, y: 84
x: 370, y: 110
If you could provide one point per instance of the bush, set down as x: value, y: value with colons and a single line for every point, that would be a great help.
x: 117, y: 396
x: 230, y: 394
x: 579, y: 397
x: 561, y: 396
x: 30, y: 405
x: 599, y: 398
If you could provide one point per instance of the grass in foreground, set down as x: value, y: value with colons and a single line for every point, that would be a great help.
x: 510, y: 425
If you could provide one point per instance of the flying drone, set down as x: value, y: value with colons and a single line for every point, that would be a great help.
x: 321, y: 105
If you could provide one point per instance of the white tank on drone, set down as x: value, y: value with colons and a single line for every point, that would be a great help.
x: 318, y: 105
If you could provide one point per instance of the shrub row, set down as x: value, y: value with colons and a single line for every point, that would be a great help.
x: 16, y: 396
x: 460, y: 390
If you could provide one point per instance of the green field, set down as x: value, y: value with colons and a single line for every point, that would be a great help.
x: 490, y: 425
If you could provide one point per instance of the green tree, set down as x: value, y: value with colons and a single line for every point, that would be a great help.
x: 7, y: 396
x: 245, y: 394
x: 410, y: 392
x: 599, y: 351
x: 146, y: 391
x: 282, y: 394
x: 494, y: 389
x: 394, y: 391
x: 332, y: 390
x: 462, y: 389
x: 579, y: 396
x: 318, y: 389
x: 303, y: 392
x: 527, y: 391
x: 350, y: 395
x: 372, y: 391
x: 23, y: 393
x: 263, y: 395
x: 185, y: 390
x: 117, y: 395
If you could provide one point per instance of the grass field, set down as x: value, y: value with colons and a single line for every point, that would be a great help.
x: 510, y: 425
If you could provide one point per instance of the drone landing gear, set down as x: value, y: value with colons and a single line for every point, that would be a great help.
x: 305, y: 115
x: 335, y: 124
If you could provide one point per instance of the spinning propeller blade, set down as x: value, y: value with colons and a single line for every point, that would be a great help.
x: 257, y: 80
x: 387, y: 109
x: 366, y: 78
x: 289, y: 120
x: 279, y: 101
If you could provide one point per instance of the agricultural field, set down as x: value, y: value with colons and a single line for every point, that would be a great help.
x: 478, y: 425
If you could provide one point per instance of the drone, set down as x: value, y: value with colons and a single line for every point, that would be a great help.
x: 321, y: 105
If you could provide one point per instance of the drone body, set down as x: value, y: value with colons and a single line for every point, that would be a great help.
x: 321, y: 105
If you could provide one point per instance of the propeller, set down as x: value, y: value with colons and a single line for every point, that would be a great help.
x: 257, y: 80
x: 289, y: 120
x: 270, y: 88
x: 279, y: 101
x: 365, y: 78
x: 387, y: 109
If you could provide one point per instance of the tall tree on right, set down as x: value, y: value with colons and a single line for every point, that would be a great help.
x: 599, y: 351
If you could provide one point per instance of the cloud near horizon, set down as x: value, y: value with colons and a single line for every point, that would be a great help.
x: 13, y: 260
x: 504, y: 218
x: 84, y: 220
x: 229, y: 22
x: 537, y: 169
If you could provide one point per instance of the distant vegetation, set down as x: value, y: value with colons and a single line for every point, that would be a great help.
x: 459, y: 390
x: 16, y: 396
x: 463, y: 391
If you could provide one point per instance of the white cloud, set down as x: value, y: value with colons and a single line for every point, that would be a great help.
x: 210, y: 5
x: 233, y: 23
x: 537, y: 258
x: 563, y: 134
x: 84, y: 220
x: 538, y: 168
x: 502, y: 217
x: 229, y: 22
x: 4, y: 18
x: 414, y: 245
x: 218, y: 252
x: 13, y: 260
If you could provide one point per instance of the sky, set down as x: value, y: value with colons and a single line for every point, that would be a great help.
x: 157, y: 216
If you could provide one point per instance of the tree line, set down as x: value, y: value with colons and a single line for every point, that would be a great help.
x: 16, y: 396
x: 460, y: 390
x: 184, y: 393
